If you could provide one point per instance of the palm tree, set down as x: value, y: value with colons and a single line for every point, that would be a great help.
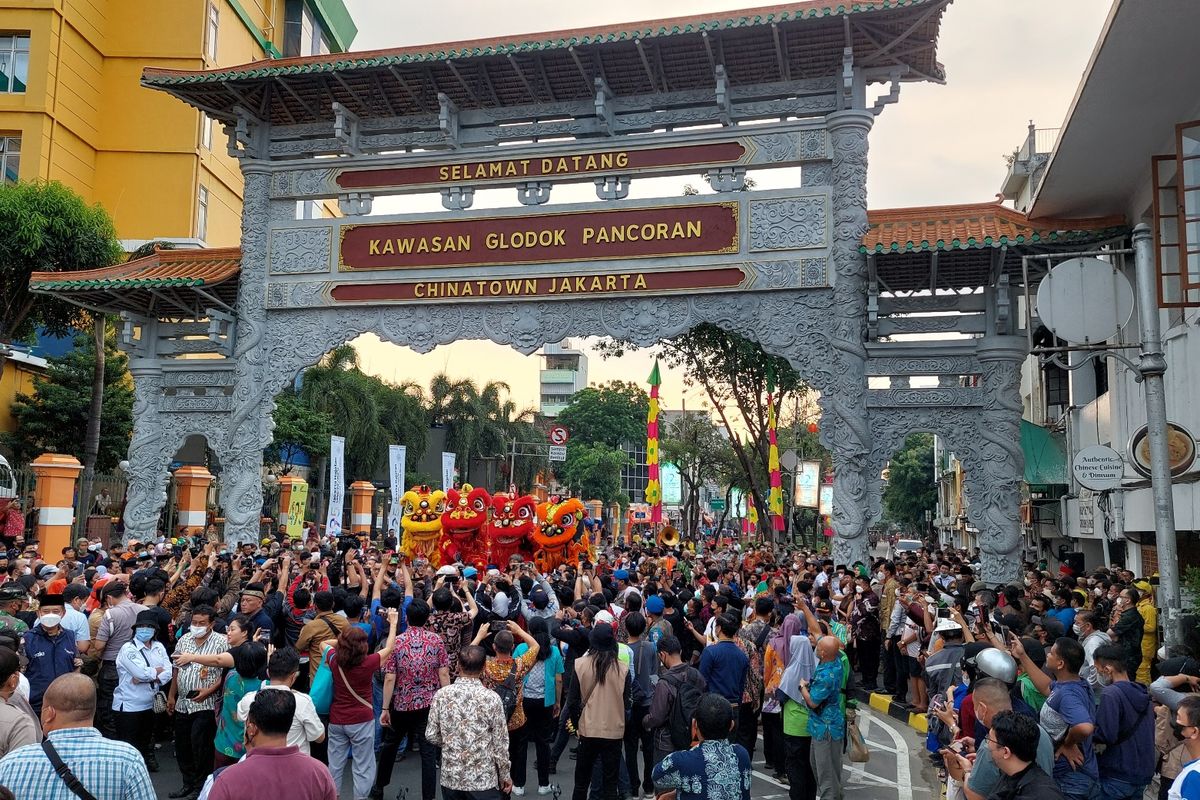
x: 337, y: 387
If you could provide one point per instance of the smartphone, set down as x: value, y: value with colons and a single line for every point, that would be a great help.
x: 943, y: 613
x: 453, y: 579
x: 193, y: 694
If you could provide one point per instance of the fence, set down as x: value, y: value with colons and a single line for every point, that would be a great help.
x: 86, y: 523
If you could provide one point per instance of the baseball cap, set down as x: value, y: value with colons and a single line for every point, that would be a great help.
x: 654, y: 604
x: 621, y: 574
x: 47, y: 571
x: 470, y: 572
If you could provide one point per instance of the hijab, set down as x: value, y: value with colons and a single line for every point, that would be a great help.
x: 783, y: 642
x: 802, y: 666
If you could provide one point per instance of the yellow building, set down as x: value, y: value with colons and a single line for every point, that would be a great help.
x: 72, y: 109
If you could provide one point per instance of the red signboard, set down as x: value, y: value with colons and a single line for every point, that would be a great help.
x: 610, y: 284
x: 510, y: 170
x: 693, y: 229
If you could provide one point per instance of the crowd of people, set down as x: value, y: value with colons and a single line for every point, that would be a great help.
x: 280, y: 666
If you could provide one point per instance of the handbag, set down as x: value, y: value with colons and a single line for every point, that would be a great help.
x: 321, y: 690
x: 857, y: 745
x: 353, y: 693
x: 160, y: 697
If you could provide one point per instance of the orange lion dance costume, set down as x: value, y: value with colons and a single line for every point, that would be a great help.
x: 463, y: 521
x: 514, y: 520
x: 561, y: 538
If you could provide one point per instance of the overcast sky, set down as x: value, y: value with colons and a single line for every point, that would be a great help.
x: 1007, y: 62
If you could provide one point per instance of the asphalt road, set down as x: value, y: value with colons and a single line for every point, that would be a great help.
x: 896, y: 770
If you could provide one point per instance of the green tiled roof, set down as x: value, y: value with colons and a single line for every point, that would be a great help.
x: 814, y: 9
x: 128, y: 283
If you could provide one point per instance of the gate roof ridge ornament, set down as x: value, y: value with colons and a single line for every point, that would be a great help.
x: 408, y: 77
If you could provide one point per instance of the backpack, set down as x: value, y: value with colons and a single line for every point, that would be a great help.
x: 508, y: 692
x: 683, y: 710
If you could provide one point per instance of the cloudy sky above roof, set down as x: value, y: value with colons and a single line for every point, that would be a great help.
x: 1007, y: 62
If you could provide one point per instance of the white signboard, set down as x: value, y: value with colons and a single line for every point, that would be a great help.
x: 1098, y: 468
x: 672, y: 485
x: 397, y: 456
x: 337, y: 485
x: 826, y: 499
x: 447, y: 470
x: 807, y: 493
x: 558, y: 453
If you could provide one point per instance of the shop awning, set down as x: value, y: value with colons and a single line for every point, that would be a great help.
x: 1045, y: 456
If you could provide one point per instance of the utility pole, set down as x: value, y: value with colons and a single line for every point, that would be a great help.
x: 1151, y: 366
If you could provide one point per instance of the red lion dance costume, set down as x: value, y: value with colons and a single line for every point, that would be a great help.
x: 463, y: 522
x: 514, y: 519
x: 561, y: 538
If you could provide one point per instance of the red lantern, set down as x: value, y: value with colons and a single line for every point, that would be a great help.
x: 812, y: 427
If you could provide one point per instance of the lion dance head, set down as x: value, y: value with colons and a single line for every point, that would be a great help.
x: 421, y: 521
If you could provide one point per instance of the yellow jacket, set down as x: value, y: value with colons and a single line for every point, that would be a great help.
x: 1149, y: 614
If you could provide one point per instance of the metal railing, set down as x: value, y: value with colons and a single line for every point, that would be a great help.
x: 1041, y: 142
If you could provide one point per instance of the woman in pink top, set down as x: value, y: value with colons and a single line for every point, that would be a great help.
x: 351, y: 714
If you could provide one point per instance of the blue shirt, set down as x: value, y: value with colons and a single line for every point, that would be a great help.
x: 712, y: 770
x: 1071, y: 702
x: 828, y: 720
x: 723, y: 666
x: 49, y: 657
x: 109, y: 769
x: 1065, y: 615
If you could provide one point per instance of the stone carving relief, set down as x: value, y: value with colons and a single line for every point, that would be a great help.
x: 300, y: 250
x: 788, y: 224
x: 814, y: 272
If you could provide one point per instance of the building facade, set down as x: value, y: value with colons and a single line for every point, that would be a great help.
x: 72, y: 108
x: 564, y: 372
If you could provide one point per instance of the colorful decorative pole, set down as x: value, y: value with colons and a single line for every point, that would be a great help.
x: 653, y: 486
x: 775, y: 501
x: 750, y: 525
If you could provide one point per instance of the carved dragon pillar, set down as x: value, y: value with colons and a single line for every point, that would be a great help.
x: 996, y: 464
x: 150, y: 451
x: 845, y: 427
x: 250, y: 424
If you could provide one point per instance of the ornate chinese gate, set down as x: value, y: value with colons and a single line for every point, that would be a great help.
x: 780, y: 87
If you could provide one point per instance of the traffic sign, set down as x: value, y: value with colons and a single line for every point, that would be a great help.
x: 717, y: 504
x: 558, y: 435
x: 558, y: 453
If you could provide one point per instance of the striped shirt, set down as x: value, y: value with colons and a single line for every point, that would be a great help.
x: 191, y: 677
x: 108, y: 769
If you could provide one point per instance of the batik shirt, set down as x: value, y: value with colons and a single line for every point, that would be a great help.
x: 449, y: 625
x: 712, y: 770
x: 466, y: 720
x: 415, y: 662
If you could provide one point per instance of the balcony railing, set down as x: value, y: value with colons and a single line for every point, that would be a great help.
x: 558, y: 375
x: 1042, y: 142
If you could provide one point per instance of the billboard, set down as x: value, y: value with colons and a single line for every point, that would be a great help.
x: 672, y: 485
x: 808, y: 484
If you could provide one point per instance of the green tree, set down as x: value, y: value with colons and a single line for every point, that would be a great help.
x: 693, y: 445
x: 733, y: 371
x: 613, y: 414
x: 481, y: 421
x: 299, y: 428
x: 47, y: 227
x: 910, y: 488
x: 593, y: 471
x: 55, y: 417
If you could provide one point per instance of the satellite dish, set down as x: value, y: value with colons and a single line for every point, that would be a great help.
x: 1085, y: 301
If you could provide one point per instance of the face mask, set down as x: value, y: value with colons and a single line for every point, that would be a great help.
x: 144, y: 634
x: 1177, y: 729
x: 1162, y: 653
x: 1099, y: 591
x: 879, y: 575
x: 199, y: 631
x: 27, y: 571
x: 1078, y: 629
x: 858, y: 590
x: 51, y: 620
x: 1103, y: 678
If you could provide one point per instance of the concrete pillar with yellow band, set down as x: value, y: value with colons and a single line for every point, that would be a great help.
x: 361, y: 495
x: 191, y: 497
x: 287, y: 484
x: 54, y: 498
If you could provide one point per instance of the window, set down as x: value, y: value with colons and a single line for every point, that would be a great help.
x: 302, y: 35
x: 14, y: 63
x: 206, y: 131
x: 10, y: 157
x: 211, y: 27
x: 202, y: 213
x: 1187, y: 154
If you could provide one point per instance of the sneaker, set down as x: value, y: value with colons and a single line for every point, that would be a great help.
x: 518, y: 791
x: 182, y: 791
x: 545, y: 789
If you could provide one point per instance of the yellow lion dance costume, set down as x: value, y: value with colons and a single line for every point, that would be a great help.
x: 421, y: 521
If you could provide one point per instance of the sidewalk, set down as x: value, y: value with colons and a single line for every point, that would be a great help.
x: 884, y: 704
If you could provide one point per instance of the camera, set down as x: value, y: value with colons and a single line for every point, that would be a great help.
x: 943, y: 613
x: 497, y: 625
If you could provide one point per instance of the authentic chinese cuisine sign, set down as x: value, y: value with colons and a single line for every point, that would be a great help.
x: 694, y: 229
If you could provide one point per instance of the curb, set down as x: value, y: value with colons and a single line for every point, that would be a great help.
x: 884, y: 704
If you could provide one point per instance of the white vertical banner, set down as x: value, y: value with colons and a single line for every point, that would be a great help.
x: 447, y: 470
x: 397, y: 456
x: 337, y: 485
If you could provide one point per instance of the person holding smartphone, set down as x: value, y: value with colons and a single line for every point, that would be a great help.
x: 192, y: 700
